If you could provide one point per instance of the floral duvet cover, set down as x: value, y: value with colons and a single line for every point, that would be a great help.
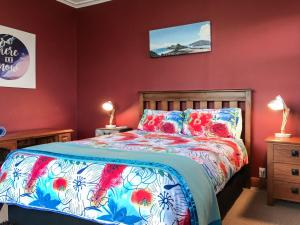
x: 221, y: 157
x: 128, y: 178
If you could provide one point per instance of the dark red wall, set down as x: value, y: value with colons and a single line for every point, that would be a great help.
x: 54, y: 103
x: 256, y: 44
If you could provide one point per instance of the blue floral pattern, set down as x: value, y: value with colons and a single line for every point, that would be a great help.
x: 98, y: 191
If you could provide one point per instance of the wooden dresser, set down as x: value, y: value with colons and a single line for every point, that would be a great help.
x: 283, y: 169
x: 23, y: 139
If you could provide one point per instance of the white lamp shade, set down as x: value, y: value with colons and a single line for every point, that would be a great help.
x: 277, y: 103
x: 108, y: 106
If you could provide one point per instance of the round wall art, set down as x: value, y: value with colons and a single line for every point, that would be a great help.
x: 17, y: 58
x: 14, y: 57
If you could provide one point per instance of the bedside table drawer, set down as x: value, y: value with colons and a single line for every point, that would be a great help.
x: 287, y: 153
x: 64, y: 137
x: 287, y: 172
x: 10, y: 145
x: 286, y: 191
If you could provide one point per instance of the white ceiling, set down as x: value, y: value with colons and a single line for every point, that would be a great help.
x: 81, y: 3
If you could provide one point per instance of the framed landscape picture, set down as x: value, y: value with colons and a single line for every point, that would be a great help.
x: 180, y: 40
x: 17, y: 58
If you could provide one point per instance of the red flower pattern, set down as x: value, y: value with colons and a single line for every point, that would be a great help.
x: 198, y: 121
x: 126, y: 136
x: 153, y: 123
x: 223, y: 168
x: 3, y: 177
x: 220, y: 130
x: 110, y: 177
x: 39, y: 169
x: 174, y: 140
x: 60, y: 184
x: 141, y: 197
x: 168, y: 128
x: 187, y: 219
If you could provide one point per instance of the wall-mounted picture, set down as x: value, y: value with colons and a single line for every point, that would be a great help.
x: 17, y: 58
x: 180, y: 40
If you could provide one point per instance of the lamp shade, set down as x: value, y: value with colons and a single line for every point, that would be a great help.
x: 108, y: 106
x: 277, y: 103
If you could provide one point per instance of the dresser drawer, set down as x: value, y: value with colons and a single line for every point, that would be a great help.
x: 64, y: 137
x: 287, y: 172
x: 288, y: 153
x: 286, y: 191
x: 10, y: 145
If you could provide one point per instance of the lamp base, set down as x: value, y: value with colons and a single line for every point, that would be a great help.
x: 282, y: 135
x: 110, y: 126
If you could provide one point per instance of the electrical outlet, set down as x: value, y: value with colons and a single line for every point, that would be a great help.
x: 262, y: 172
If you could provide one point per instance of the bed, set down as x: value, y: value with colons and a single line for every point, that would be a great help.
x: 180, y: 100
x: 167, y: 100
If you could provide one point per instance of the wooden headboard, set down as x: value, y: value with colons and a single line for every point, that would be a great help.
x: 211, y: 99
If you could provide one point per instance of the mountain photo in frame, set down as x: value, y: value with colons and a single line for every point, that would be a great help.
x: 17, y: 58
x: 181, y: 40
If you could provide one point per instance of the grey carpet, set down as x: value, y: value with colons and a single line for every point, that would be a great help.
x: 3, y: 214
x: 250, y: 209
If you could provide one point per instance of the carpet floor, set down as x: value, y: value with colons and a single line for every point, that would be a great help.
x: 250, y: 209
x: 3, y: 214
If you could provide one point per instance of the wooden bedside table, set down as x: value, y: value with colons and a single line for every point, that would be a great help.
x: 106, y: 131
x: 283, y: 169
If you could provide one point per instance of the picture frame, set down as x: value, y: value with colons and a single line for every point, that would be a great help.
x: 17, y: 58
x: 181, y: 40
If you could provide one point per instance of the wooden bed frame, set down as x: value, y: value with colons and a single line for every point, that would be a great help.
x: 211, y: 99
x: 170, y: 100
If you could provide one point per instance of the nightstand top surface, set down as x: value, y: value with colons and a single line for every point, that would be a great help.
x: 291, y: 140
x: 116, y: 128
x: 33, y: 133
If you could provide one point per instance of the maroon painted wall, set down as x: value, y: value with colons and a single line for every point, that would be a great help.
x: 256, y: 44
x: 54, y: 103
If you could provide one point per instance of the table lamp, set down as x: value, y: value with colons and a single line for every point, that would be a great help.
x: 109, y: 107
x: 279, y: 104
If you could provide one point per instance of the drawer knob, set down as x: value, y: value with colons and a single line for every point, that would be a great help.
x: 295, y: 172
x: 295, y: 153
x: 295, y: 191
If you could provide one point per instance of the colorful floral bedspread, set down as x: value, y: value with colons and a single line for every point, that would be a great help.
x: 98, y: 191
x: 221, y: 157
x: 76, y: 179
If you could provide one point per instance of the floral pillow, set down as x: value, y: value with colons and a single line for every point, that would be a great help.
x: 161, y: 121
x: 225, y: 122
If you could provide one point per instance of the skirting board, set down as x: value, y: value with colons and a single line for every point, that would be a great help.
x: 258, y: 182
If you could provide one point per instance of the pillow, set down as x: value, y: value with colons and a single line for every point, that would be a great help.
x: 226, y: 122
x: 161, y: 121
